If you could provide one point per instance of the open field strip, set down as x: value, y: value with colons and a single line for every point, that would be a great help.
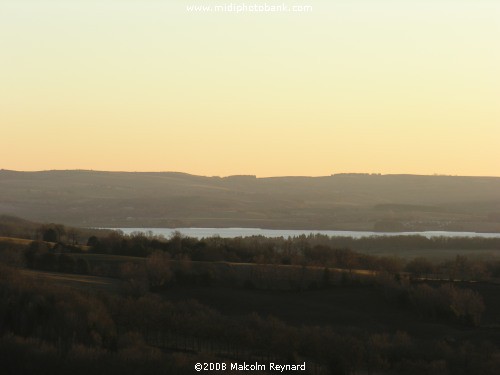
x: 72, y: 280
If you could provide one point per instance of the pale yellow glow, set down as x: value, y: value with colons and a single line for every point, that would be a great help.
x: 355, y: 86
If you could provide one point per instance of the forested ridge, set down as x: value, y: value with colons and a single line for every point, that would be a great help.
x: 166, y: 199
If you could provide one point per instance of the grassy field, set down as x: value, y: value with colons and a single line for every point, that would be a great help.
x: 438, y: 255
x: 25, y: 242
x: 16, y: 241
x: 108, y: 258
x: 75, y: 281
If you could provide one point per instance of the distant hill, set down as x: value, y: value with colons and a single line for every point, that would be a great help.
x: 344, y: 201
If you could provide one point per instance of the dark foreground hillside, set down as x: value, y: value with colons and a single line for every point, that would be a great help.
x: 95, y: 309
x: 346, y: 201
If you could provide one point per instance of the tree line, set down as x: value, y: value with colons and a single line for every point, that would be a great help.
x: 312, y: 250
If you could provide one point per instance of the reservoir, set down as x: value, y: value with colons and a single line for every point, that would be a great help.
x: 248, y: 232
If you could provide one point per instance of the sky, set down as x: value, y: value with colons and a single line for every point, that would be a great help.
x: 361, y: 86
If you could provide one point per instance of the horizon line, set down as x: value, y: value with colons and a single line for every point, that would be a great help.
x: 242, y: 175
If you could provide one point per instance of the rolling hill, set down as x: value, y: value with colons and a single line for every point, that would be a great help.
x: 168, y: 199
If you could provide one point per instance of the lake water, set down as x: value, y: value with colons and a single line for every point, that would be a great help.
x: 247, y: 232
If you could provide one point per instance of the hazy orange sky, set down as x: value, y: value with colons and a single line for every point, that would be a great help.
x: 355, y: 86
